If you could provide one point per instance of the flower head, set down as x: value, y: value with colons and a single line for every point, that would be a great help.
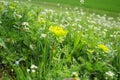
x: 103, y: 47
x: 110, y: 73
x: 43, y: 35
x: 33, y: 70
x: 58, y: 31
x: 25, y: 24
x: 74, y: 74
x: 33, y: 66
x: 82, y: 1
x: 28, y: 70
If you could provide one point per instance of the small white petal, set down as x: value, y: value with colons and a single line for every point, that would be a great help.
x: 28, y: 70
x: 33, y: 70
x: 33, y: 66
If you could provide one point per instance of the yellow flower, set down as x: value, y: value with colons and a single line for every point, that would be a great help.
x: 58, y: 31
x: 103, y: 47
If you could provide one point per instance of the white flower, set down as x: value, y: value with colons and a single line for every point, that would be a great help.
x: 12, y: 70
x: 43, y: 35
x: 82, y: 1
x: 19, y: 16
x: 74, y: 74
x: 33, y: 70
x: 25, y: 24
x: 110, y: 73
x: 43, y: 13
x: 76, y: 8
x: 33, y: 66
x: 28, y: 70
x: 17, y: 62
x: 16, y: 1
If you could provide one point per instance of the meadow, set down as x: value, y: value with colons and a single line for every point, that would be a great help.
x: 58, y: 42
x: 109, y: 5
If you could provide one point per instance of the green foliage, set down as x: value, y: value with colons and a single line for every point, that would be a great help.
x: 30, y: 51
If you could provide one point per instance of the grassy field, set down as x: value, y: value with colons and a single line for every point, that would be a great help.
x: 108, y: 5
x: 41, y: 40
x: 88, y: 6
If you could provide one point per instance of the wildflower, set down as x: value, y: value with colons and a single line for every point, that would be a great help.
x: 43, y: 35
x: 33, y: 70
x: 74, y: 74
x: 25, y: 24
x: 110, y: 73
x: 58, y: 31
x: 16, y: 1
x: 82, y: 1
x: 17, y: 62
x: 103, y: 47
x: 42, y: 13
x: 28, y: 70
x: 76, y: 8
x: 12, y: 70
x: 33, y: 66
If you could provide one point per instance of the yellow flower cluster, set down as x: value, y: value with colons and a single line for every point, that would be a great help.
x: 58, y: 31
x: 103, y: 47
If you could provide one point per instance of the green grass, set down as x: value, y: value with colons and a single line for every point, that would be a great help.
x: 42, y: 41
x: 53, y: 4
x: 109, y: 5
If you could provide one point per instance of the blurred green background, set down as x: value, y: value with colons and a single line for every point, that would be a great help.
x: 109, y: 5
